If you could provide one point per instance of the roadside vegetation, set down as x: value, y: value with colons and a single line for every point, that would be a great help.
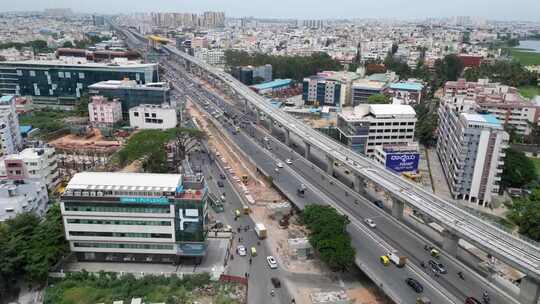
x: 328, y: 236
x: 86, y: 288
x: 47, y: 120
x: 29, y: 247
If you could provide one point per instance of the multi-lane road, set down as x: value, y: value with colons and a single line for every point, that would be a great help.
x: 325, y: 189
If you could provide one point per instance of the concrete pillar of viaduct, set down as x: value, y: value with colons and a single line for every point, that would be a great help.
x: 329, y: 165
x: 307, y: 150
x: 450, y: 242
x: 287, y: 134
x: 397, y: 209
x: 529, y: 291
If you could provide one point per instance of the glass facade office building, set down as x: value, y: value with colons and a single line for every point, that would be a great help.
x: 135, y: 217
x: 132, y: 94
x: 57, y: 83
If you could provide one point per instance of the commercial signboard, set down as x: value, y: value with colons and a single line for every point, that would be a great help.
x: 402, y: 162
x: 145, y: 200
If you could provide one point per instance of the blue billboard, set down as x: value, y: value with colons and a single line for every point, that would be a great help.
x: 402, y: 162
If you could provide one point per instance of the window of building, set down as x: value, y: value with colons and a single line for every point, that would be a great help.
x: 154, y: 115
x: 146, y: 115
x: 68, y: 74
x: 32, y: 73
x: 136, y: 114
x: 60, y: 74
x: 81, y: 75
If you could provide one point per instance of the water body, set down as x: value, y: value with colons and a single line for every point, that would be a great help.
x: 531, y: 45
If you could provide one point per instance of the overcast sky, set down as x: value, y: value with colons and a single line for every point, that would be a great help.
x: 302, y: 9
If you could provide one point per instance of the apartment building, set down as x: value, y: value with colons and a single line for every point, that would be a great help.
x: 328, y: 88
x: 104, y: 112
x: 408, y: 91
x: 135, y: 217
x: 32, y: 163
x: 503, y: 101
x: 131, y: 93
x: 376, y: 83
x: 20, y: 195
x: 471, y: 149
x: 368, y: 127
x: 210, y: 56
x: 148, y: 116
x: 10, y: 134
x: 61, y: 83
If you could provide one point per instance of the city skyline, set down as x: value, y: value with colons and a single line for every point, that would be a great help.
x: 303, y: 9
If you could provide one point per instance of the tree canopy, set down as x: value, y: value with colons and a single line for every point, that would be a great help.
x: 427, y: 122
x: 510, y: 73
x: 329, y: 236
x: 518, y: 169
x: 378, y: 99
x: 294, y: 67
x: 525, y: 212
x: 30, y: 247
x: 149, y: 144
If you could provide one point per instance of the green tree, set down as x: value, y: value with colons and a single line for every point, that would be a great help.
x: 510, y: 73
x: 518, y: 169
x: 39, y: 46
x: 426, y: 125
x: 68, y: 44
x: 525, y: 213
x: 47, y: 245
x: 378, y: 99
x: 328, y: 236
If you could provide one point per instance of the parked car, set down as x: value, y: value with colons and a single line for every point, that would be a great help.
x: 415, y: 285
x: 279, y: 164
x: 370, y: 223
x: 437, y: 267
x: 379, y: 204
x: 220, y: 184
x: 288, y: 161
x: 271, y: 262
x: 222, y: 176
x: 241, y: 250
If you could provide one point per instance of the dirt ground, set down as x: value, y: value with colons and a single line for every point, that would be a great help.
x: 96, y: 142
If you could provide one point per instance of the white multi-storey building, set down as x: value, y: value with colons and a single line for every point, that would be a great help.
x: 149, y: 116
x: 471, y: 149
x: 367, y: 127
x: 10, y: 134
x: 32, y: 163
x: 18, y: 196
x: 135, y: 217
x: 210, y: 56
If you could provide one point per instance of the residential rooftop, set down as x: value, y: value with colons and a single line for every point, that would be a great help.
x: 488, y: 120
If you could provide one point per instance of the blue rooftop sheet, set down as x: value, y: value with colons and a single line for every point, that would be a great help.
x: 25, y: 128
x: 272, y: 84
x: 410, y: 86
x: 6, y: 98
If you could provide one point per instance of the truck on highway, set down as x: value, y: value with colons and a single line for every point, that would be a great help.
x: 260, y: 230
x: 397, y: 259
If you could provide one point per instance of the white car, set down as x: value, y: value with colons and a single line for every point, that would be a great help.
x: 271, y: 262
x: 370, y: 223
x: 241, y: 250
x: 288, y: 161
x: 279, y: 164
